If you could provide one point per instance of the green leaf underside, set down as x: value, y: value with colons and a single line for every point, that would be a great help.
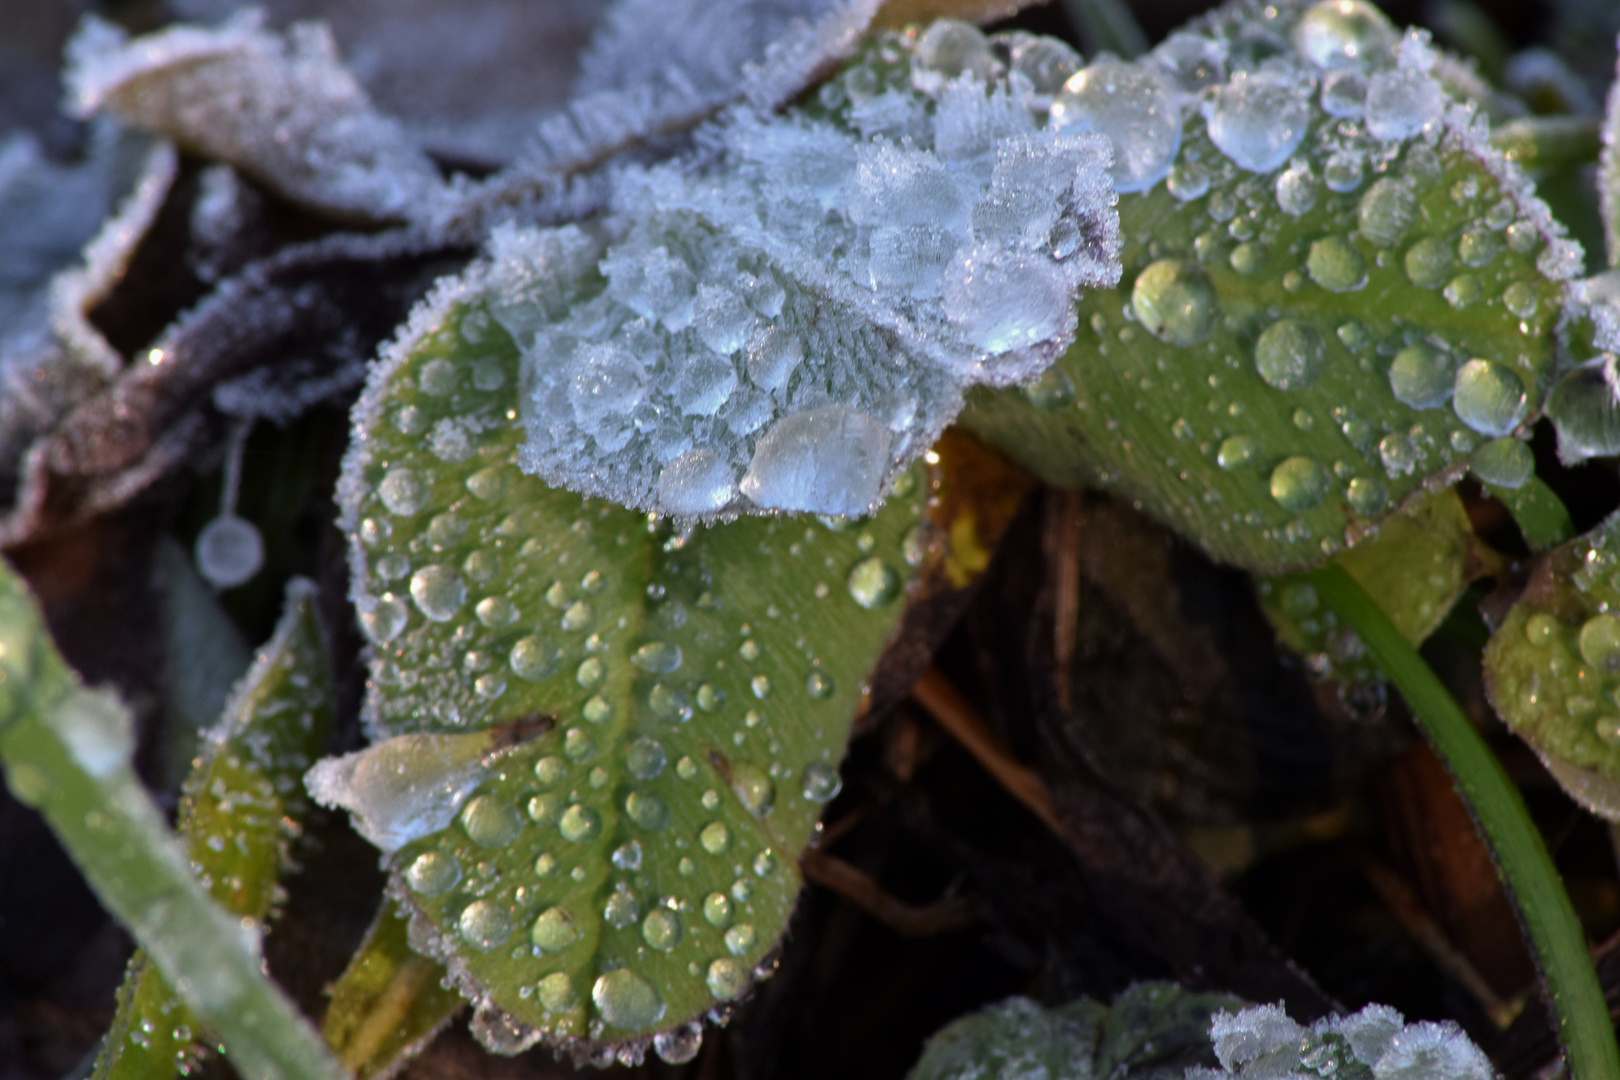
x: 1552, y: 668
x: 1150, y: 418
x: 238, y: 812
x: 567, y: 627
x: 1415, y: 569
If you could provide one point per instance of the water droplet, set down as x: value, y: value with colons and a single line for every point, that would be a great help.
x: 229, y: 551
x: 490, y: 822
x: 1477, y: 247
x: 1520, y: 299
x: 710, y: 698
x: 1540, y: 629
x: 872, y: 584
x: 496, y: 612
x: 578, y: 745
x: 1463, y: 291
x: 1386, y: 211
x: 384, y: 619
x: 554, y: 930
x: 749, y: 650
x: 1134, y: 107
x: 661, y: 929
x: 658, y: 657
x: 1176, y: 302
x: 1507, y: 463
x: 488, y: 483
x: 715, y: 838
x: 1052, y: 391
x: 579, y: 823
x: 765, y: 863
x: 535, y: 658
x: 627, y: 1000
x: 402, y: 492
x: 645, y: 810
x: 1600, y: 642
x: 489, y: 687
x: 668, y: 703
x: 446, y: 530
x: 1343, y: 33
x: 727, y: 978
x: 681, y: 1045
x: 556, y: 992
x: 545, y: 865
x: 598, y: 709
x: 686, y: 768
x: 1366, y: 495
x: 438, y: 591
x: 1428, y: 262
x: 1289, y: 355
x: 484, y: 924
x: 1402, y: 103
x: 819, y: 685
x: 577, y: 617
x: 753, y: 787
x: 1489, y: 397
x: 1299, y: 483
x: 628, y: 856
x: 433, y: 873
x: 644, y: 758
x: 1187, y: 180
x: 820, y: 782
x: 622, y: 909
x: 1258, y: 119
x: 550, y: 770
x: 761, y: 686
x: 1296, y: 189
x: 1237, y: 451
x: 1336, y: 265
x: 1420, y: 376
x: 544, y: 809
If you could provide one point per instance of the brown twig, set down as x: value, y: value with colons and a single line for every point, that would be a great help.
x: 860, y: 889
x: 947, y: 706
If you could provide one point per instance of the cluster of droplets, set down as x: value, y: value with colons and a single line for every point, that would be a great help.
x: 1262, y: 1041
x: 788, y: 326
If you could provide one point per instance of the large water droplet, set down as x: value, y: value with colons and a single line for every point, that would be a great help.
x: 820, y: 782
x: 1428, y: 262
x: 554, y: 930
x: 873, y: 583
x: 627, y: 1000
x: 1289, y: 355
x: 1176, y: 302
x: 1401, y: 103
x: 229, y: 551
x: 658, y: 657
x: 1237, y: 451
x: 433, y: 873
x: 1258, y: 119
x: 1299, y: 483
x: 1586, y: 412
x: 579, y: 823
x: 484, y: 924
x: 535, y: 658
x: 661, y: 929
x: 438, y: 591
x: 727, y: 978
x: 1489, y: 397
x: 1336, y: 265
x: 1600, y: 642
x: 1344, y: 33
x: 682, y: 1045
x: 715, y: 838
x: 1420, y: 376
x: 1134, y: 107
x: 384, y: 618
x: 1296, y: 189
x: 1366, y: 495
x: 491, y: 822
x: 556, y: 992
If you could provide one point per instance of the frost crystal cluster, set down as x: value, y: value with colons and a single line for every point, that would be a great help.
x: 1263, y: 1042
x: 786, y: 320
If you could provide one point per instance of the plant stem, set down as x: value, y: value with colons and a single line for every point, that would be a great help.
x: 1106, y: 26
x: 1559, y: 943
x: 1538, y: 511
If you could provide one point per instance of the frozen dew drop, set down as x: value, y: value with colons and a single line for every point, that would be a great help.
x: 1299, y: 483
x: 1599, y: 642
x: 1366, y: 495
x: 661, y: 929
x: 484, y: 924
x: 1344, y: 33
x: 950, y: 47
x: 1046, y: 62
x: 534, y: 658
x: 1520, y: 299
x: 627, y: 1000
x: 1489, y: 397
x: 753, y: 787
x: 723, y: 322
x: 1421, y: 377
x: 438, y: 378
x: 622, y: 909
x: 1004, y: 298
x: 828, y: 460
x: 1187, y: 180
x: 1477, y: 247
x: 490, y: 822
x: 1402, y: 103
x: 1258, y: 120
x: 1386, y: 210
x: 1344, y: 93
x: 1296, y: 189
x: 393, y: 566
x: 1507, y: 463
x: 644, y: 758
x: 657, y: 657
x: 819, y: 685
x: 556, y: 992
x: 820, y: 782
x: 1134, y: 107
x: 579, y: 823
x: 873, y: 583
x: 715, y: 838
x: 229, y: 551
x: 402, y: 492
x: 697, y: 482
x: 1175, y: 301
x: 438, y: 591
x: 1428, y: 262
x: 628, y: 856
x: 1237, y: 451
x: 1584, y: 408
x: 1192, y: 62
x: 681, y: 1045
x: 383, y: 618
x: 645, y: 810
x: 554, y: 930
x: 1334, y: 263
x: 1289, y: 355
x: 717, y: 909
x: 727, y: 978
x: 739, y: 939
x: 433, y: 873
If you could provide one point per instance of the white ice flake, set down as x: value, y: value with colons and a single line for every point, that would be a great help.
x: 1262, y: 1041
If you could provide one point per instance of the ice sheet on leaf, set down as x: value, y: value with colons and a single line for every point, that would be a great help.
x: 281, y: 108
x: 789, y: 324
x: 1263, y: 1041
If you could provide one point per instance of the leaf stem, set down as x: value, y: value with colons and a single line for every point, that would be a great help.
x: 1559, y: 943
x: 1540, y: 514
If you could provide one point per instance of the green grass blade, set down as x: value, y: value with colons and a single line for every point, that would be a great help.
x: 1526, y: 867
x: 1106, y: 26
x: 66, y: 752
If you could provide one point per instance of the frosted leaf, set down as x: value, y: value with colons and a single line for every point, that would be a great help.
x: 281, y: 108
x: 1252, y: 1034
x: 1609, y: 171
x: 804, y: 265
x: 403, y: 788
x: 1261, y: 1041
x: 1430, y: 1051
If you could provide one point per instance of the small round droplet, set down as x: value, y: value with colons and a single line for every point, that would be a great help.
x: 753, y: 787
x: 550, y: 770
x: 668, y: 703
x: 644, y: 758
x: 622, y: 909
x: 1366, y: 495
x: 545, y: 865
x: 1237, y: 451
x: 545, y: 809
x: 761, y: 686
x: 661, y: 929
x: 628, y: 856
x: 229, y: 551
x: 1428, y: 262
x: 1489, y: 397
x: 1463, y: 291
x: 820, y: 782
x: 491, y: 822
x: 556, y: 992
x: 1176, y: 302
x: 438, y: 591
x: 535, y: 658
x: 1520, y: 299
x: 1600, y: 642
x: 402, y: 492
x: 1259, y: 119
x: 1289, y: 355
x: 1540, y: 629
x: 1386, y: 211
x: 496, y: 612
x: 578, y: 745
x: 384, y: 619
x: 765, y: 863
x: 657, y: 657
x: 598, y: 709
x: 715, y: 838
x: 739, y: 939
x: 1507, y: 463
x: 1397, y: 453
x: 819, y: 685
x: 484, y: 924
x: 433, y: 873
x: 1334, y: 263
x: 627, y: 1000
x: 727, y: 978
x: 872, y: 584
x: 1343, y: 33
x: 579, y: 823
x: 1296, y: 189
x: 1420, y: 376
x: 645, y: 810
x: 717, y: 909
x: 710, y: 698
x: 1052, y: 391
x: 554, y: 930
x: 1299, y: 483
x: 590, y: 672
x: 681, y: 1045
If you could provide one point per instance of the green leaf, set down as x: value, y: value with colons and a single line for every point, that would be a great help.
x: 1415, y: 569
x: 389, y: 1002
x: 1552, y: 669
x: 66, y: 752
x: 603, y: 744
x: 240, y: 808
x: 1287, y: 360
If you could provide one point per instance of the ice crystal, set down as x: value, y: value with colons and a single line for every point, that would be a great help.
x: 1263, y: 1042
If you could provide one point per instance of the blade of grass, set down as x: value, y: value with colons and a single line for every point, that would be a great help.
x: 1106, y: 26
x: 1522, y: 859
x: 66, y: 752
